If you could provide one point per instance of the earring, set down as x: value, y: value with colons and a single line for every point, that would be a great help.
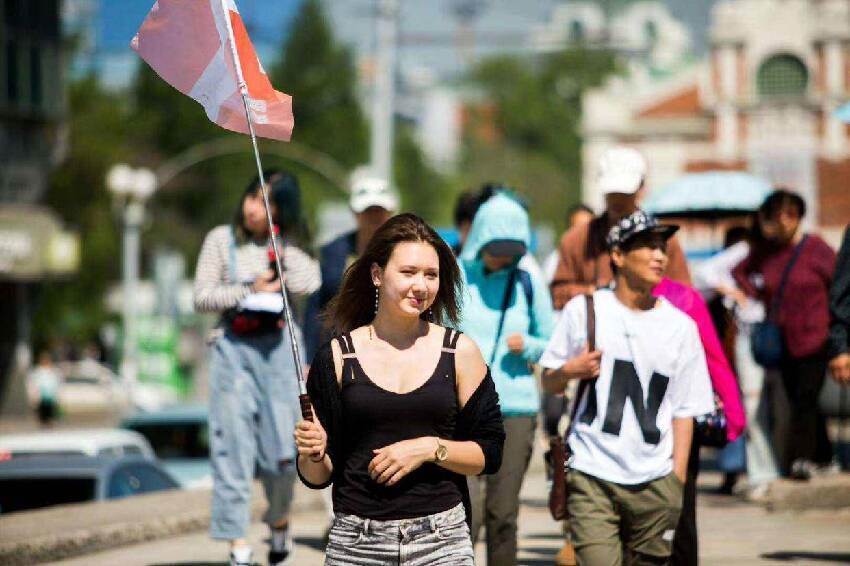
x: 430, y: 314
x: 376, y: 300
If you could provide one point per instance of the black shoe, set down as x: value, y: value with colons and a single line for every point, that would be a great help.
x: 802, y: 470
x: 728, y: 485
x: 283, y: 555
x: 279, y: 558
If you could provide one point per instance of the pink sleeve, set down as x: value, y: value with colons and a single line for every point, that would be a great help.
x: 722, y: 378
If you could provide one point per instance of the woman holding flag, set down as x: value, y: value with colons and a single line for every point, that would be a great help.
x: 406, y: 407
x: 253, y: 396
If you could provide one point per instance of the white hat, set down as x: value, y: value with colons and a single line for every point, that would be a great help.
x: 368, y: 191
x: 621, y: 170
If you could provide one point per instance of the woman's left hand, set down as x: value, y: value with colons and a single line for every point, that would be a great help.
x: 516, y: 344
x: 393, y: 462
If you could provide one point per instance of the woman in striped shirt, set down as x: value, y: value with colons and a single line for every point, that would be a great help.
x: 253, y: 393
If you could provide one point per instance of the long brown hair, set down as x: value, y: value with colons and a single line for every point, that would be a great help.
x: 353, y: 305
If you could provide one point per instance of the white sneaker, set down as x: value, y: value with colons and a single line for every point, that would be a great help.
x: 759, y: 493
x: 241, y: 556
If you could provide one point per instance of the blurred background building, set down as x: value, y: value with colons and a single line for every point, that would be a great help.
x: 34, y: 247
x: 761, y: 100
x: 525, y: 93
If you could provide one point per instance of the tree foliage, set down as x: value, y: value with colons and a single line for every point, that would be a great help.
x: 537, y: 117
x: 321, y: 77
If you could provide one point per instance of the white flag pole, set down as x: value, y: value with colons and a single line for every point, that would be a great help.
x: 306, y: 406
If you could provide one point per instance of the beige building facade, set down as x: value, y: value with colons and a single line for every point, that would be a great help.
x: 762, y: 101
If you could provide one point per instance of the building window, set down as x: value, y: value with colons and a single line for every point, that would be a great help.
x: 576, y: 31
x: 782, y: 76
x: 650, y: 32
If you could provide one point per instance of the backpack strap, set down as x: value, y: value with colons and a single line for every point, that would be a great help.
x: 528, y: 290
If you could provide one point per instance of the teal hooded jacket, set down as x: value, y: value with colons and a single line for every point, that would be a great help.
x: 503, y: 218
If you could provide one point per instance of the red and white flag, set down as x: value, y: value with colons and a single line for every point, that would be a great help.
x: 201, y: 48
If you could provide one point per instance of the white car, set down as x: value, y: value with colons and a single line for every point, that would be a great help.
x: 88, y: 386
x: 87, y: 442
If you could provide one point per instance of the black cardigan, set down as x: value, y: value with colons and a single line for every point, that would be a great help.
x: 480, y: 420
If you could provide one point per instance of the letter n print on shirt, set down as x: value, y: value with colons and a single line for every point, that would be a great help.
x: 625, y: 384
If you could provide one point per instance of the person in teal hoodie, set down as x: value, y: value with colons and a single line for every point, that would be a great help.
x: 507, y: 311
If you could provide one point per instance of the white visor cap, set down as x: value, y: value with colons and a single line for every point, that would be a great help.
x: 621, y: 170
x: 367, y: 192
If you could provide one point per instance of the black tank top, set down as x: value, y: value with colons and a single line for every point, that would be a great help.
x: 373, y: 417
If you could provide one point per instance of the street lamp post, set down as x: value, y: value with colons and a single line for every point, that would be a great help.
x: 131, y: 188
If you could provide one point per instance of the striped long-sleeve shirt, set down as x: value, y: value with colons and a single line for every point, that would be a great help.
x: 216, y: 291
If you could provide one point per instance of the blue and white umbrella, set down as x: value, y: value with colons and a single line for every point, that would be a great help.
x: 843, y: 113
x: 710, y: 194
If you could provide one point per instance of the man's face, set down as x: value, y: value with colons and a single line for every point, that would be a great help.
x: 642, y: 260
x: 496, y: 262
x: 620, y: 205
x: 372, y: 218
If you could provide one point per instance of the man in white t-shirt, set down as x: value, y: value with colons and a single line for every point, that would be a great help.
x: 634, y: 425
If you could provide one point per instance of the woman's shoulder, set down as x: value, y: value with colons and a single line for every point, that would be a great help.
x: 219, y: 234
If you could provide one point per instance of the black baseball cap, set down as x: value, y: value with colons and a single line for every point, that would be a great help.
x: 639, y: 222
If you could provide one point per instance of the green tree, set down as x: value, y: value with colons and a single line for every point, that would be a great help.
x: 97, y: 129
x: 423, y: 190
x: 321, y: 77
x: 537, y: 114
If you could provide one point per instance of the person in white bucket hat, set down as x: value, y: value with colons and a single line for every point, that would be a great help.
x: 373, y: 202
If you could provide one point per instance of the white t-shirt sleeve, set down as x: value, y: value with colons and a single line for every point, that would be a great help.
x: 692, y: 394
x: 569, y: 336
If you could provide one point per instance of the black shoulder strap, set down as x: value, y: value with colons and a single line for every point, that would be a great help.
x: 528, y: 290
x: 450, y: 339
x: 777, y: 300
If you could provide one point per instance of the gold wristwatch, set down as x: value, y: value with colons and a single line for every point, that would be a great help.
x: 441, y: 453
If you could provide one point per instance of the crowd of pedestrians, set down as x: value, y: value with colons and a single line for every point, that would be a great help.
x: 430, y: 366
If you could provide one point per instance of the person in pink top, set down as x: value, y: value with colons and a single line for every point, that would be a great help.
x: 725, y: 385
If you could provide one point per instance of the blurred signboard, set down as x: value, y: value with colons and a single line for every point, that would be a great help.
x: 33, y: 245
x: 158, y: 353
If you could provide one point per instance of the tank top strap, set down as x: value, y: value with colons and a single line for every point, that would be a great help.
x: 447, y: 358
x: 349, y: 356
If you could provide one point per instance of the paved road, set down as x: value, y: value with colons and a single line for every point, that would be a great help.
x: 731, y: 533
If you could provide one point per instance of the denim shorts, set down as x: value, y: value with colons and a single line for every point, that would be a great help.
x: 441, y: 538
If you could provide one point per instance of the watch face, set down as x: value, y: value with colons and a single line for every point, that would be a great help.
x: 442, y: 453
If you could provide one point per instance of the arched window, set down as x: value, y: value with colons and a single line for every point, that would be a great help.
x: 576, y: 31
x: 782, y: 76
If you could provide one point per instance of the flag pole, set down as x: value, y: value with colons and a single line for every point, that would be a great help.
x: 306, y: 405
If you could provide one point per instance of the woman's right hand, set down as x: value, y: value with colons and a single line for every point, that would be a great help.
x: 311, y: 439
x: 266, y: 283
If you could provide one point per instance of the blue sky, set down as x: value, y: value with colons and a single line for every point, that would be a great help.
x: 118, y: 20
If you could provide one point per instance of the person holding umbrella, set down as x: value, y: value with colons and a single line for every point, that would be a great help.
x: 253, y: 395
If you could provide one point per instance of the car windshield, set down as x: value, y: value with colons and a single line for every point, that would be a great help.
x: 134, y: 479
x: 176, y: 440
x: 19, y: 494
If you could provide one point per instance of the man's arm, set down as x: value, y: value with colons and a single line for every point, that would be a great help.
x: 568, y: 282
x: 839, y: 307
x: 683, y: 433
